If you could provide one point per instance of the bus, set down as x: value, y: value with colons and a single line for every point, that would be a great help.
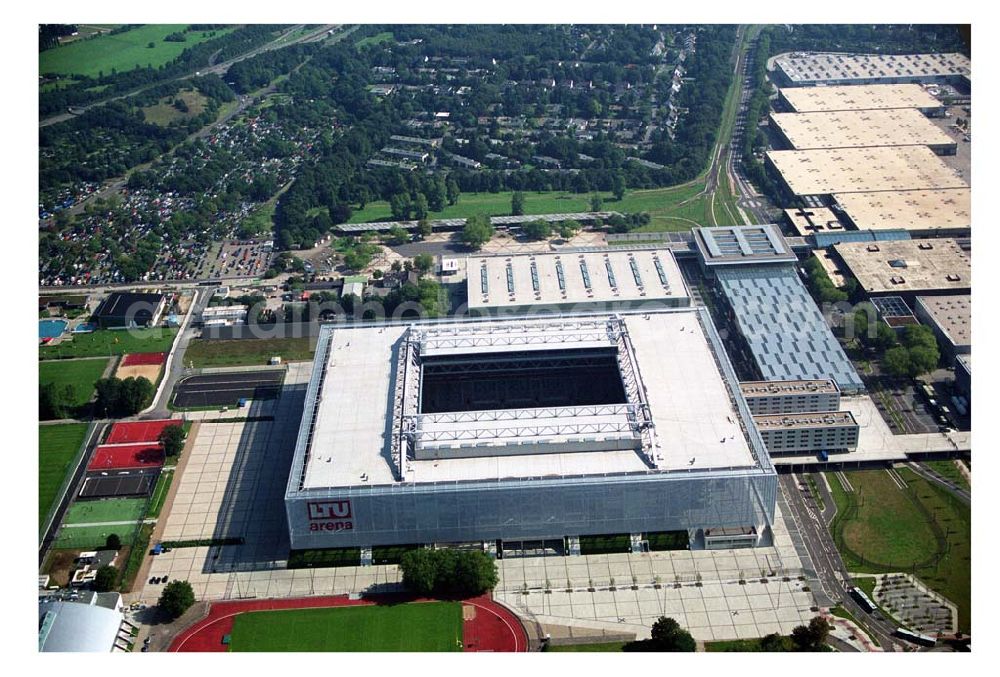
x: 916, y: 638
x: 862, y: 599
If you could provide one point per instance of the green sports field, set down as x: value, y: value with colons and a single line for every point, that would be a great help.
x: 112, y: 342
x: 92, y: 538
x: 106, y: 510
x: 57, y: 447
x: 430, y: 626
x: 122, y: 52
x: 81, y: 374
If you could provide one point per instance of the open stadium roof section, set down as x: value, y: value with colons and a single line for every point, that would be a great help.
x: 616, y: 278
x: 812, y: 68
x: 515, y: 406
x: 455, y: 224
x: 858, y: 97
x: 906, y: 266
x: 729, y: 245
x: 861, y: 129
x: 125, y: 456
x: 138, y: 431
x: 914, y: 210
x: 863, y: 170
x: 786, y: 333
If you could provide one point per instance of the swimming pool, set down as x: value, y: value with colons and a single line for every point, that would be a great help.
x: 51, y: 328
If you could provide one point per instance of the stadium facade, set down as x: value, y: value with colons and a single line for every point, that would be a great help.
x: 525, y: 429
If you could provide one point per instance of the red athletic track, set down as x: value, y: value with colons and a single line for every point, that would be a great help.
x: 138, y: 431
x: 122, y: 456
x: 137, y: 359
x: 493, y: 629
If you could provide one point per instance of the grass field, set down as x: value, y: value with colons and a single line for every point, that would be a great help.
x: 677, y: 208
x: 164, y: 112
x: 81, y: 374
x: 112, y: 342
x: 431, y: 626
x: 949, y: 471
x: 122, y: 52
x: 247, y: 352
x: 160, y: 493
x: 92, y: 538
x: 922, y: 530
x: 374, y: 40
x: 57, y: 447
x: 106, y: 510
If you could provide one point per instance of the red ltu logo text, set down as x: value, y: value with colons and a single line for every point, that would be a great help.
x: 330, y: 515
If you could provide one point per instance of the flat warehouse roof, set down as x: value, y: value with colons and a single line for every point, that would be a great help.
x: 860, y: 129
x: 809, y: 220
x: 863, y: 170
x: 819, y: 66
x: 952, y: 315
x: 942, y: 209
x: 793, y: 387
x: 545, y: 279
x: 858, y: 97
x: 696, y: 421
x: 828, y: 419
x: 907, y: 265
x: 725, y: 245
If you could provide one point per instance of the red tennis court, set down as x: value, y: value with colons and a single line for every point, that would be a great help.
x: 122, y: 456
x: 138, y: 431
x: 138, y: 359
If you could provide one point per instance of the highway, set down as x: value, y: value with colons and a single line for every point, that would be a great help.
x: 217, y: 69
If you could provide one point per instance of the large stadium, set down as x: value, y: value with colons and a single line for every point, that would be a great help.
x: 525, y: 429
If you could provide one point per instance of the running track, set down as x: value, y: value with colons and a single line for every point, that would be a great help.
x: 494, y: 627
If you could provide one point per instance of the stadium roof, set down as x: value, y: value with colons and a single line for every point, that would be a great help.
x: 944, y: 209
x: 612, y: 277
x: 863, y: 170
x: 690, y: 390
x: 76, y: 626
x: 812, y: 67
x: 907, y: 265
x: 952, y: 315
x: 860, y: 129
x: 786, y: 333
x: 728, y: 245
x: 858, y: 97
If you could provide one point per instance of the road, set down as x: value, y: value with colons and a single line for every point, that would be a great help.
x: 217, y: 69
x: 832, y: 575
x: 176, y: 366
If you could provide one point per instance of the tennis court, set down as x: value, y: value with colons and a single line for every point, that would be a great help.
x: 124, y: 483
x: 125, y: 456
x: 138, y: 431
x: 107, y: 510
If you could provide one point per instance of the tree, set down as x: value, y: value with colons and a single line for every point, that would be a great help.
x: 897, y: 361
x: 398, y: 235
x: 136, y: 394
x: 423, y: 262
x: 172, y: 438
x: 774, y: 643
x: 451, y: 189
x: 106, y: 578
x: 919, y: 335
x: 399, y: 205
x: 811, y: 637
x: 419, y: 571
x: 596, y: 202
x: 437, y: 194
x: 517, y: 203
x: 113, y: 542
x: 176, y: 598
x: 537, y: 230
x: 477, y: 231
x: 425, y: 228
x: 667, y: 635
x: 448, y: 572
x: 108, y: 396
x: 420, y: 207
x: 617, y: 186
x: 567, y: 229
x: 923, y: 359
x: 55, y: 402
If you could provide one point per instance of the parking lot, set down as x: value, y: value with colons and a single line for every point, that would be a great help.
x: 236, y: 258
x: 227, y: 389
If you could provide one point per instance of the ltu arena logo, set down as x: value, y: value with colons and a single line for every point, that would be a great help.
x: 330, y: 515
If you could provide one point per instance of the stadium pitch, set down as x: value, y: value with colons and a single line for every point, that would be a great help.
x: 425, y: 626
